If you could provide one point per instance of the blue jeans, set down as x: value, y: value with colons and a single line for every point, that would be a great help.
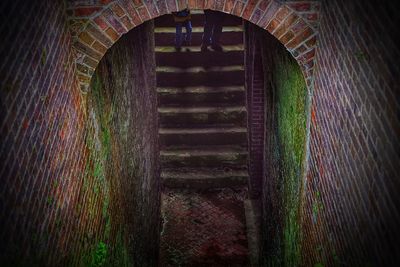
x: 212, y: 27
x: 187, y: 36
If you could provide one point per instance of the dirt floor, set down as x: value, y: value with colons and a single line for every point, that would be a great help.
x: 204, y: 228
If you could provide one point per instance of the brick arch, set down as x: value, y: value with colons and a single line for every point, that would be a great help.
x: 97, y: 24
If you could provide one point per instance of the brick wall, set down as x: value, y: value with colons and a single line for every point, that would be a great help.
x: 58, y: 204
x: 123, y: 113
x: 285, y: 107
x: 255, y: 109
x: 42, y: 135
x: 351, y: 211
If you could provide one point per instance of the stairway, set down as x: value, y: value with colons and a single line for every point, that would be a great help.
x: 201, y: 109
x: 203, y: 137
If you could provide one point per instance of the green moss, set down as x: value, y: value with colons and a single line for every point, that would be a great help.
x: 291, y: 115
x: 316, y: 206
x: 121, y: 256
x: 43, y: 56
x: 99, y: 255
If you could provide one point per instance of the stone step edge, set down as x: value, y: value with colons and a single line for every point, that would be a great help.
x: 164, y: 131
x: 200, y: 89
x: 197, y: 49
x: 201, y: 109
x: 206, y: 148
x: 197, y: 29
x: 203, y: 173
x: 199, y: 69
x: 186, y: 153
x: 204, y: 183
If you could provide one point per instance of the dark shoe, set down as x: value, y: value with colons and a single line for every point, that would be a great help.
x: 204, y: 48
x: 178, y: 48
x: 217, y: 48
x: 187, y: 49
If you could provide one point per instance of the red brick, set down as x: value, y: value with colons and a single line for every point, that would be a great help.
x: 152, y: 8
x: 137, y: 3
x: 282, y: 13
x: 112, y: 34
x: 237, y: 10
x: 312, y: 17
x: 200, y: 4
x: 99, y: 47
x: 300, y: 38
x: 134, y: 16
x: 162, y: 7
x: 117, y: 10
x: 86, y: 38
x: 300, y: 6
x: 114, y: 21
x: 229, y: 5
x: 143, y: 13
x: 101, y: 23
x: 263, y: 4
x: 273, y: 24
x: 127, y: 22
x: 286, y: 37
x: 86, y: 11
x: 192, y: 4
x: 249, y: 9
x: 171, y: 4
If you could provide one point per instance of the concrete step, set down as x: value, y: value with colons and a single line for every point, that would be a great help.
x: 185, y: 59
x: 167, y: 38
x: 200, y: 76
x: 225, y: 29
x: 200, y: 116
x: 203, y: 136
x: 197, y: 20
x: 195, y: 48
x: 195, y: 96
x: 203, y: 178
x: 217, y: 157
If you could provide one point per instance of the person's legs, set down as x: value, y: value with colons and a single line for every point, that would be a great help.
x: 188, y: 35
x: 208, y: 26
x: 217, y: 30
x: 178, y: 36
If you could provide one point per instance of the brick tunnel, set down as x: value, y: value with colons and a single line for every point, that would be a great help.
x: 281, y: 150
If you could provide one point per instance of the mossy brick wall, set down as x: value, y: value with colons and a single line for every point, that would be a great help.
x: 123, y: 112
x: 352, y: 209
x: 42, y: 137
x: 58, y: 205
x: 254, y: 84
x: 285, y: 101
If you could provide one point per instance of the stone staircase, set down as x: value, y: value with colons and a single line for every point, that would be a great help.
x: 201, y: 106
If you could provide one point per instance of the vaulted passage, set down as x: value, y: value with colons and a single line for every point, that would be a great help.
x: 203, y: 137
x: 280, y: 150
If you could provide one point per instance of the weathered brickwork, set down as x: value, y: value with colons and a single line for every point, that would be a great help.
x: 55, y: 206
x: 256, y: 111
x: 42, y: 137
x: 97, y: 25
x: 284, y: 111
x: 351, y: 213
x: 59, y: 205
x: 122, y: 107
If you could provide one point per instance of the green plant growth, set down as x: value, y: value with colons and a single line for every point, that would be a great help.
x: 121, y: 256
x: 317, y: 207
x: 99, y: 255
x: 291, y: 93
x: 43, y: 56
